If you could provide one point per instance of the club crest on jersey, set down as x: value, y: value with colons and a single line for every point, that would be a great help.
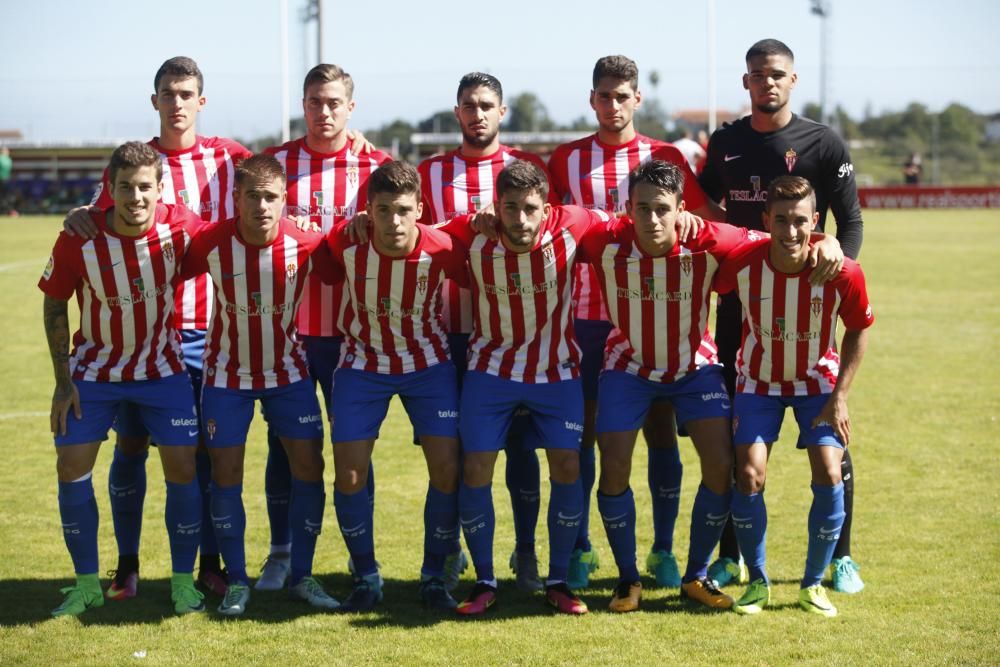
x: 791, y: 157
x: 352, y: 176
x: 422, y: 284
x: 210, y: 427
x: 816, y: 305
x: 686, y: 262
x: 168, y: 251
x: 291, y: 270
x: 548, y: 254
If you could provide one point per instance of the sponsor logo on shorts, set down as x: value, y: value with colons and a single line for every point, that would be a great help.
x: 184, y: 422
x: 311, y: 419
x: 448, y: 414
x: 573, y: 426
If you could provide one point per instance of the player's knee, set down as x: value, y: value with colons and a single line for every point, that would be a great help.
x: 615, y: 474
x: 564, y: 466
x: 69, y: 468
x: 750, y: 478
x: 444, y: 476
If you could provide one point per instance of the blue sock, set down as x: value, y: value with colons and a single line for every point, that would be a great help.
x: 127, y: 488
x: 565, y: 512
x: 523, y: 482
x: 750, y: 523
x: 665, y: 473
x: 588, y: 474
x: 826, y: 518
x: 229, y: 521
x: 357, y: 525
x: 203, y: 468
x: 708, y: 517
x: 183, y: 519
x: 618, y: 514
x: 305, y: 514
x: 440, y: 530
x: 475, y: 511
x: 78, y: 510
x: 278, y: 489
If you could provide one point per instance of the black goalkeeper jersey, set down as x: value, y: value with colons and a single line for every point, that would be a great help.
x: 742, y: 162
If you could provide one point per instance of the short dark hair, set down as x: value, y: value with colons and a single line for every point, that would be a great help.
x: 770, y: 47
x: 617, y: 67
x: 660, y: 174
x: 326, y: 73
x: 789, y: 188
x: 260, y: 167
x: 394, y: 178
x: 477, y: 80
x: 131, y: 155
x: 180, y: 66
x: 522, y: 175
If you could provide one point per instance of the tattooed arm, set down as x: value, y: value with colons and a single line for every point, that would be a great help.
x: 56, y: 318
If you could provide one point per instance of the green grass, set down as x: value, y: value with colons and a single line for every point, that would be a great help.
x: 927, y: 529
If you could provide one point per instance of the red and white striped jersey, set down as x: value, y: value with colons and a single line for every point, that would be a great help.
x: 790, y: 326
x: 328, y: 188
x: 124, y: 287
x: 394, y: 323
x: 659, y: 305
x: 523, y: 324
x: 200, y: 178
x: 453, y: 185
x: 251, y: 342
x: 589, y: 173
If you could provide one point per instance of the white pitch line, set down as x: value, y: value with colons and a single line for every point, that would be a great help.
x: 22, y: 415
x: 21, y: 265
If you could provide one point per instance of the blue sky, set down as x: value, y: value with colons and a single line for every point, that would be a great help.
x: 83, y: 69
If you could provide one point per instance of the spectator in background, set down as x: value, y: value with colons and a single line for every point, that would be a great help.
x: 913, y: 170
x: 6, y: 164
x: 693, y: 151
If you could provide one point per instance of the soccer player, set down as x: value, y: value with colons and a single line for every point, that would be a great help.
x: 455, y: 183
x: 126, y: 351
x: 657, y: 289
x: 327, y: 182
x: 593, y: 172
x: 789, y: 358
x: 743, y: 158
x: 259, y: 263
x: 396, y: 345
x: 522, y: 354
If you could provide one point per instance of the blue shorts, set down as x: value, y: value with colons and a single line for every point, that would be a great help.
x: 128, y: 421
x: 758, y: 419
x: 361, y: 401
x: 163, y: 407
x: 323, y: 357
x: 556, y: 411
x: 591, y: 335
x: 292, y: 411
x: 625, y: 398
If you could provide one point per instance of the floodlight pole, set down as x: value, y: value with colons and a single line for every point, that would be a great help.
x: 821, y: 8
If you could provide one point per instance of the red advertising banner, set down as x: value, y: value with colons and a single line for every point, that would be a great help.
x: 912, y: 196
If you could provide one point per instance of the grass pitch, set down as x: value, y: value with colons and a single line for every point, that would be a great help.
x: 927, y: 529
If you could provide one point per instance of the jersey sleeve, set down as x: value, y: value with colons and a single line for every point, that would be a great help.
x: 694, y: 196
x: 63, y: 273
x: 237, y: 151
x: 726, y: 238
x: 595, y: 236
x: 838, y: 174
x: 710, y: 179
x: 855, y: 308
x: 321, y: 263
x: 102, y: 195
x: 195, y: 260
x: 335, y: 241
x: 460, y: 229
